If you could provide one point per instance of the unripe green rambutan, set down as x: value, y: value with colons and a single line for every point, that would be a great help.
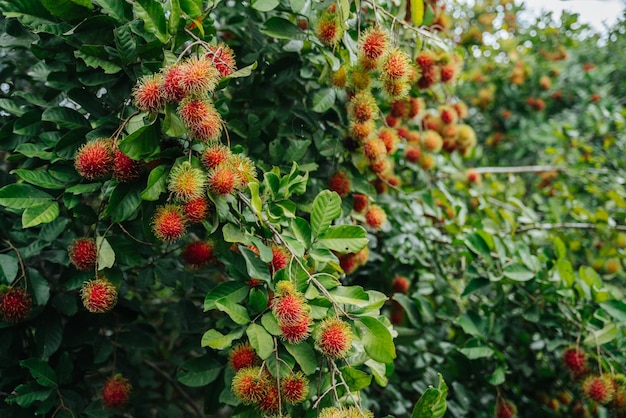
x: 186, y: 182
x: 375, y: 217
x: 169, y: 223
x: 396, y: 89
x: 427, y: 161
x: 148, y: 94
x: 340, y: 77
x: 363, y: 107
x: 466, y: 136
x: 334, y: 338
x: 360, y: 78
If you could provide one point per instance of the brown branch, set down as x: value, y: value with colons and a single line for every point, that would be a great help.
x: 567, y: 225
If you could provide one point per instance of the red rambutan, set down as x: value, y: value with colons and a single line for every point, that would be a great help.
x: 396, y: 65
x: 334, y: 339
x: 94, y: 159
x: 186, y: 182
x: 201, y: 118
x: 196, y: 210
x: 294, y: 388
x: 280, y: 258
x: 15, y: 304
x: 148, y: 94
x: 340, y: 183
x: 250, y: 385
x: 390, y: 138
x: 98, y: 295
x: 125, y: 169
x: 328, y: 29
x: 198, y: 76
x: 214, y: 155
x: 223, y: 58
x: 432, y: 141
x: 373, y: 43
x: 169, y: 223
x: 242, y: 356
x: 171, y: 84
x: 375, y: 217
x: 598, y: 388
x: 116, y: 392
x: 505, y: 409
x: 360, y: 131
x: 426, y: 59
x: 363, y: 107
x: 295, y: 334
x: 360, y: 202
x: 223, y: 180
x: 400, y: 284
x: 197, y: 254
x: 374, y: 149
x: 412, y: 153
x: 83, y: 253
x: 270, y: 403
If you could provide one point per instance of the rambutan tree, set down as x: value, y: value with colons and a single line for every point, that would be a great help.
x: 267, y: 208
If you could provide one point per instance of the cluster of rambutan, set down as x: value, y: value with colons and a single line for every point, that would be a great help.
x: 436, y: 67
x: 351, y: 261
x: 604, y: 389
x: 100, y: 158
x: 292, y: 313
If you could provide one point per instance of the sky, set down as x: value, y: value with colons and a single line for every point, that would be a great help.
x: 593, y: 12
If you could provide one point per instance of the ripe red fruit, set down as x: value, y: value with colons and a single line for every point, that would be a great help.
x: 374, y: 149
x: 186, y: 182
x: 412, y: 153
x: 400, y: 284
x: 116, y: 392
x: 94, y: 159
x: 295, y: 334
x: 448, y: 115
x: 250, y: 385
x: 396, y: 317
x: 363, y: 107
x: 461, y: 109
x: 375, y: 217
x: 428, y: 77
x: 98, y: 295
x: 431, y: 122
x: 327, y: 28
x: 473, y: 177
x: 242, y: 356
x: 598, y: 388
x: 390, y: 138
x: 148, y: 94
x: 125, y: 169
x: 197, y: 254
x: 280, y: 258
x: 426, y: 59
x: 396, y: 89
x: 294, y: 388
x: 416, y: 106
x: 15, y: 304
x: 399, y: 109
x: 575, y: 361
x: 196, y: 210
x: 432, y: 141
x: 223, y: 180
x: 201, y: 118
x: 83, y: 253
x: 270, y: 403
x: 223, y: 58
x: 334, y: 339
x: 373, y: 43
x: 339, y: 183
x: 214, y: 155
x: 171, y: 84
x: 396, y: 65
x: 290, y: 309
x: 198, y: 76
x: 382, y: 167
x: 505, y: 409
x: 360, y: 131
x: 360, y: 202
x: 168, y: 223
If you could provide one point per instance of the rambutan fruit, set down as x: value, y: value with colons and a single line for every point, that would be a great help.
x: 328, y: 28
x: 505, y: 409
x: 83, y: 253
x: 466, y: 136
x: 473, y: 177
x: 197, y: 254
x: 250, y: 385
x: 340, y: 183
x: 417, y: 105
x: 426, y: 59
x: 362, y: 107
x: 270, y: 403
x: 399, y: 109
x: 186, y: 182
x: 294, y: 388
x: 373, y: 43
x: 432, y: 141
x: 15, y: 304
x: 360, y: 131
x: 390, y: 138
x: 575, y: 360
x: 198, y: 76
x: 98, y: 295
x: 116, y: 392
x: 360, y: 202
x: 374, y: 149
x: 412, y: 153
x: 196, y: 210
x: 244, y: 168
x: 125, y: 169
x: 290, y: 309
x: 215, y: 154
x: 94, y: 159
x: 148, y: 94
x: 396, y: 89
x: 382, y: 167
x: 431, y: 122
x: 242, y: 356
x: 545, y: 82
x: 599, y: 389
x: 427, y: 161
x: 334, y: 338
x: 448, y: 72
x: 428, y: 78
x: 375, y: 217
x: 169, y: 223
x: 395, y: 65
x: 400, y: 284
x: 391, y: 121
x: 340, y: 77
x: 223, y: 180
x: 280, y: 258
x: 461, y: 109
x: 348, y: 263
x: 396, y: 317
x: 448, y: 115
x: 223, y: 59
x: 171, y: 86
x: 360, y: 78
x: 296, y: 333
x: 413, y: 137
x: 201, y: 119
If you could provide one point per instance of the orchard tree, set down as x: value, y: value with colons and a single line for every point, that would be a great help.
x: 276, y: 208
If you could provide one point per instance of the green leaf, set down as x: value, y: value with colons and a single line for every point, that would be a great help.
x: 304, y: 355
x: 589, y: 276
x: 106, y: 255
x: 474, y: 353
x: 218, y: 341
x: 174, y: 17
x: 477, y: 244
x: 255, y: 267
x: 123, y: 203
x: 34, y: 151
x: 232, y: 233
x: 297, y: 5
x: 244, y: 72
x: 41, y: 214
x: 518, y: 272
x: 41, y: 371
x: 615, y: 308
x: 344, y: 238
x: 471, y: 323
x: 602, y: 336
x: 114, y: 8
x: 376, y: 339
x: 142, y: 143
x: 301, y: 230
x: 50, y: 333
x: 279, y: 28
x: 8, y: 267
x: 271, y: 324
x: 27, y: 394
x: 255, y: 199
x: 151, y: 13
x: 39, y: 178
x: 28, y: 124
x: 265, y: 5
x: 324, y: 100
x: 157, y: 183
x: 432, y: 404
x: 65, y: 118
x: 96, y: 56
x: 326, y: 208
x: 198, y: 372
x: 566, y: 272
x: 68, y: 9
x: 350, y: 295
x: 233, y: 291
x: 260, y: 340
x: 236, y: 312
x: 356, y: 379
x: 11, y: 107
x: 497, y: 377
x: 559, y: 248
x: 417, y: 12
x: 193, y: 8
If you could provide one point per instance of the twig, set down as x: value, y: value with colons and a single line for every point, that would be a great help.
x: 566, y: 225
x: 19, y: 260
x: 174, y: 383
x: 132, y: 237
